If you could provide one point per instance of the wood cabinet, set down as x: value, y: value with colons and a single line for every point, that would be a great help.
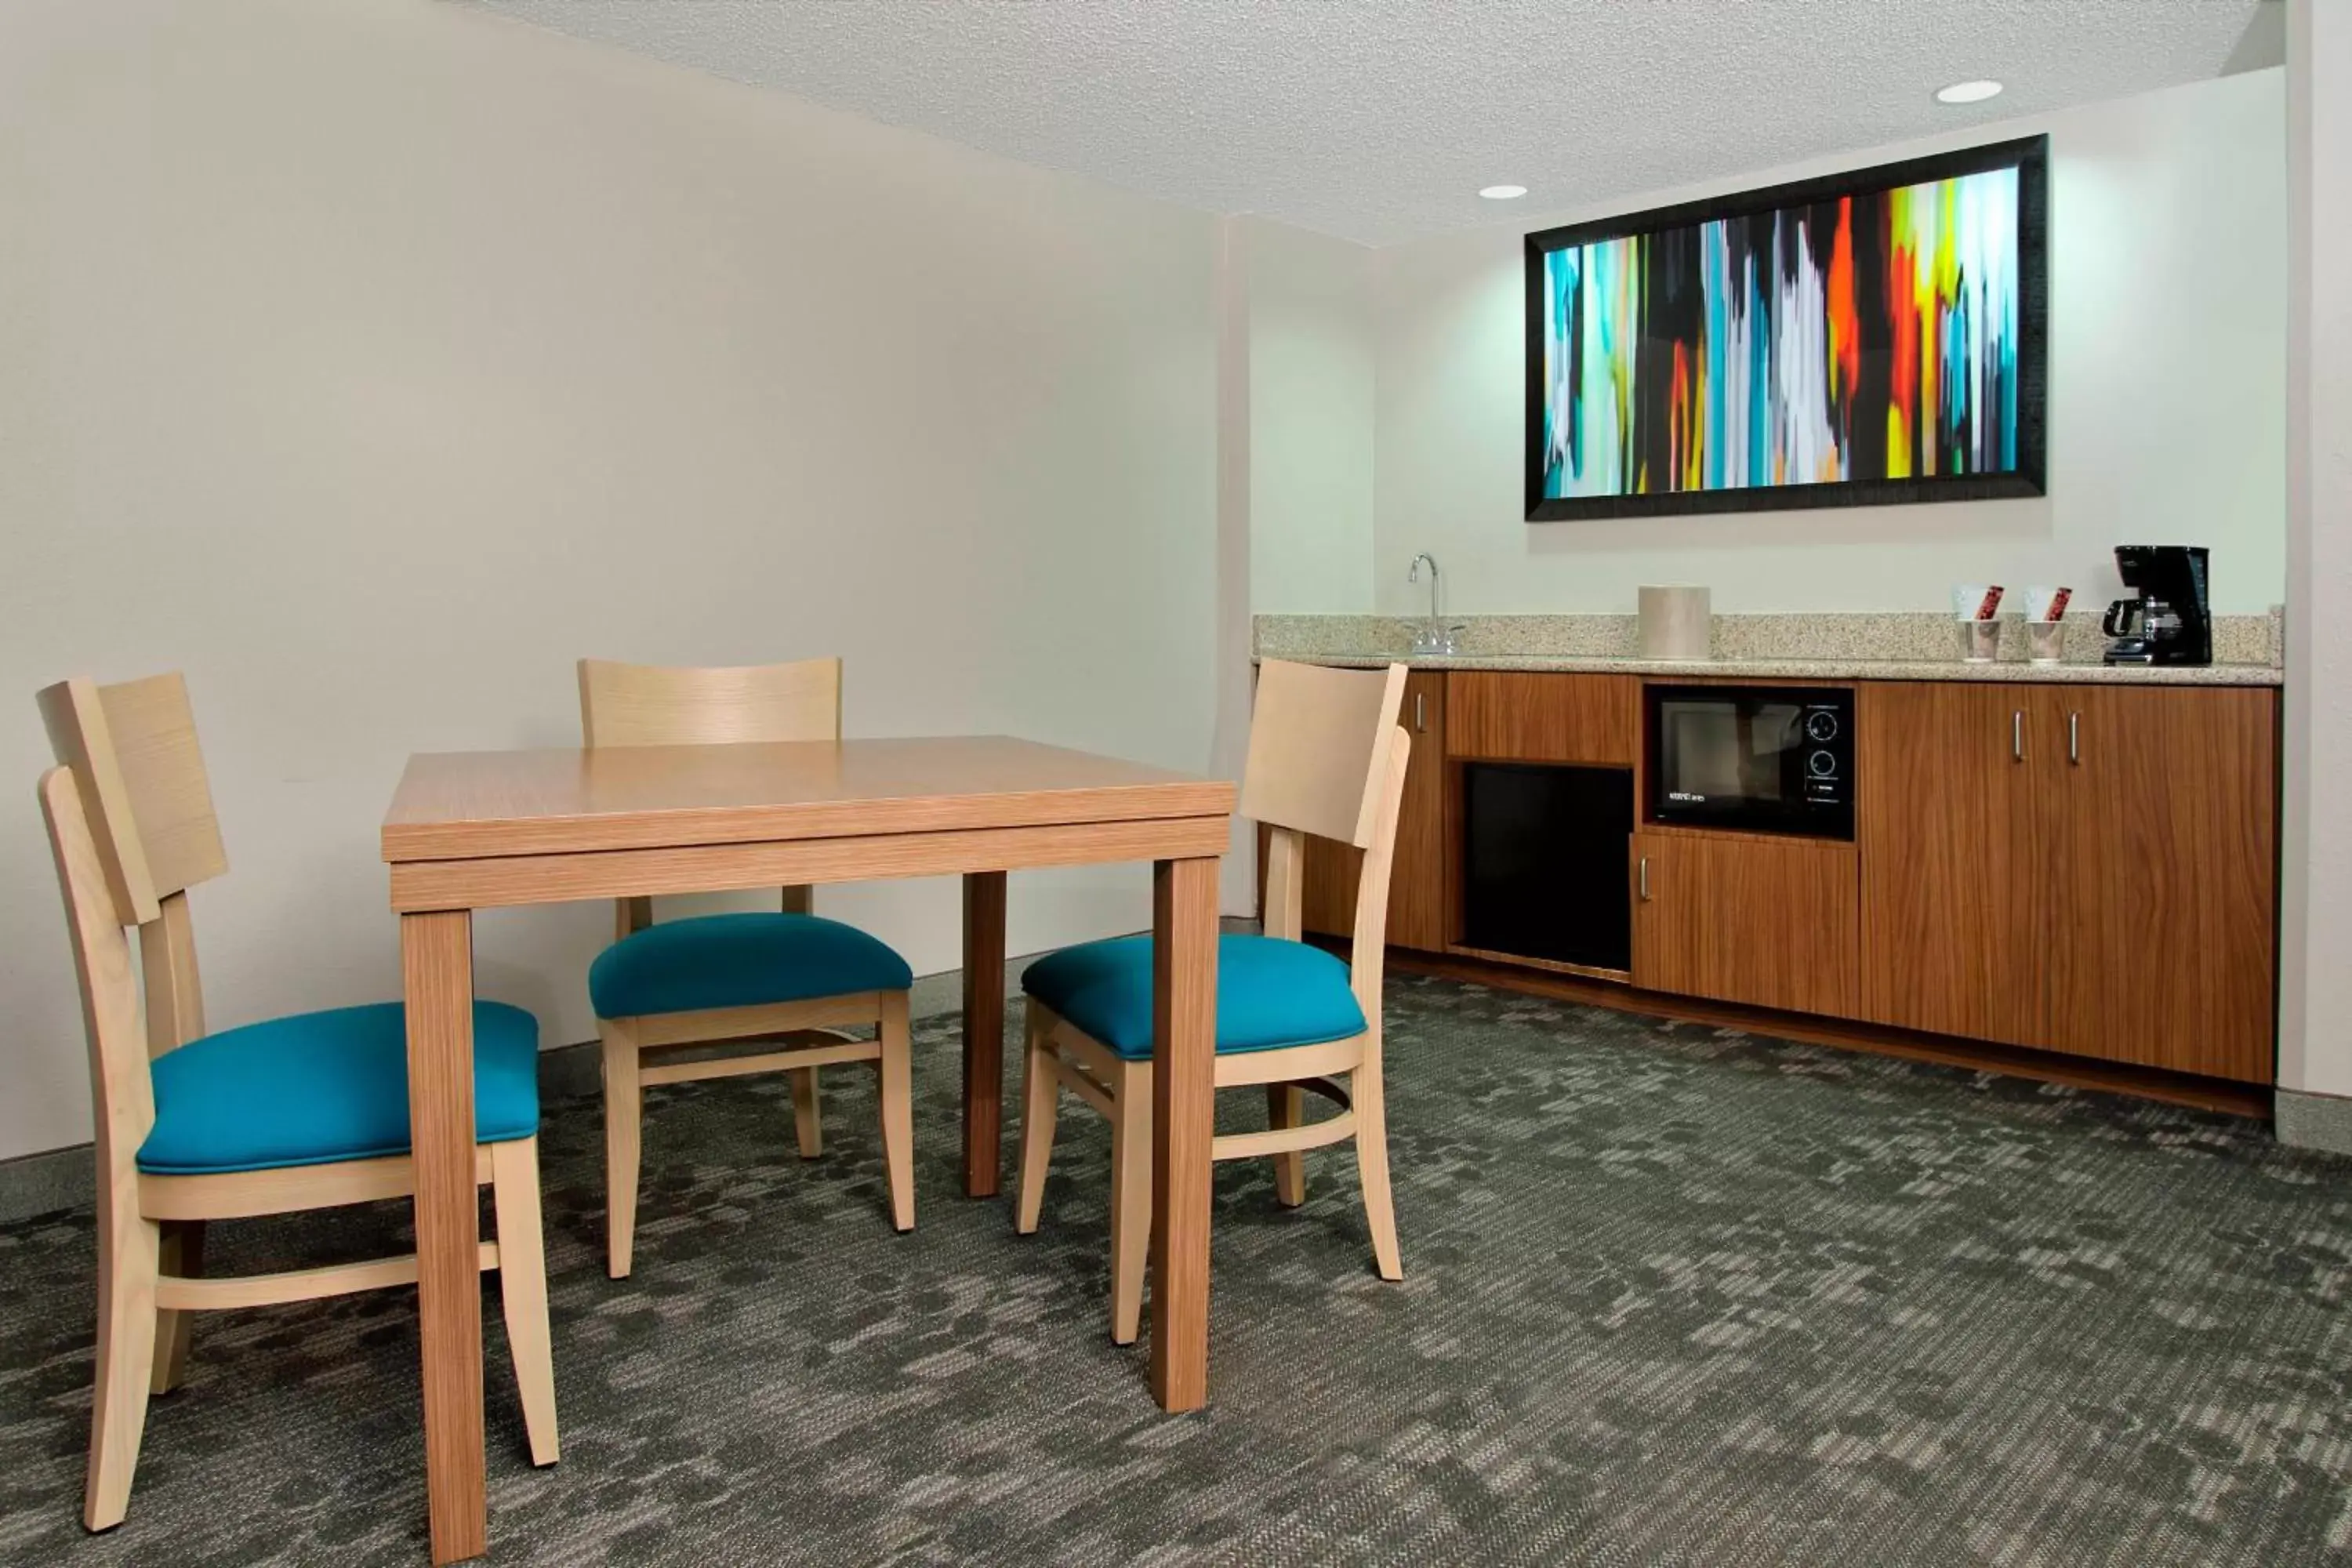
x: 1419, y: 878
x: 1516, y: 716
x: 2073, y: 867
x: 1955, y: 893
x: 2082, y: 867
x: 2163, y: 946
x: 1746, y: 917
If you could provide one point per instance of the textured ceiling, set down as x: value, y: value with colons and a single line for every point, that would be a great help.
x: 1377, y: 120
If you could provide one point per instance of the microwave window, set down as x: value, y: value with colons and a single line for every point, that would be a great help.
x: 1727, y: 751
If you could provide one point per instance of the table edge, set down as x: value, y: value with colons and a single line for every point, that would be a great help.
x: 485, y: 837
x: 509, y: 880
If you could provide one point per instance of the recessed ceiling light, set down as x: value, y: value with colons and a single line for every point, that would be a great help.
x: 1967, y: 92
x: 1503, y: 193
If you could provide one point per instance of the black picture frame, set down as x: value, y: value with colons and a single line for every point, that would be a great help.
x: 2029, y: 156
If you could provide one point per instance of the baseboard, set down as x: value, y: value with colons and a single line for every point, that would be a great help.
x: 57, y: 1179
x: 2320, y: 1122
x: 2249, y: 1100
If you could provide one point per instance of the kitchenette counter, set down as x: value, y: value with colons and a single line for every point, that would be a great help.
x: 1898, y: 646
x: 1703, y: 670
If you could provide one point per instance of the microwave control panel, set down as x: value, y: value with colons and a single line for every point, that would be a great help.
x: 1829, y: 751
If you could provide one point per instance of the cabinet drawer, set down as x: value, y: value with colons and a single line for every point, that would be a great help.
x: 1518, y: 717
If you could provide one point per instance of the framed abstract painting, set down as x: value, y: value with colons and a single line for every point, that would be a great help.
x: 1872, y: 337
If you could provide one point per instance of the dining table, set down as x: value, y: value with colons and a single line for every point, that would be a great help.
x: 473, y: 830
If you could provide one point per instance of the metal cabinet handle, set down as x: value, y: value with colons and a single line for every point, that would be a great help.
x: 2074, y: 739
x: 2017, y: 734
x: 1645, y: 878
x: 1420, y: 717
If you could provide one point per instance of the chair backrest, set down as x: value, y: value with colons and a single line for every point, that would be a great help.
x: 130, y: 751
x: 122, y: 1095
x: 1327, y: 757
x: 657, y: 705
x: 653, y: 705
x: 1317, y: 740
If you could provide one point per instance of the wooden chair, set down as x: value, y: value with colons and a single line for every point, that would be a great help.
x: 1326, y: 757
x: 692, y: 983
x: 295, y: 1113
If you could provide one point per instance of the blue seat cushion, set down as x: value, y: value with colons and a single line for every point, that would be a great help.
x: 1270, y: 992
x: 318, y: 1088
x: 739, y: 960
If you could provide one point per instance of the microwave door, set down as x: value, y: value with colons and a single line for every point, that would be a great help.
x: 1704, y: 755
x: 1776, y: 755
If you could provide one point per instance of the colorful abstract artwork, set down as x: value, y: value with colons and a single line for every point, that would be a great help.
x: 1872, y: 338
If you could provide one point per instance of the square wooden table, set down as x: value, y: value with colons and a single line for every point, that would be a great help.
x: 488, y: 829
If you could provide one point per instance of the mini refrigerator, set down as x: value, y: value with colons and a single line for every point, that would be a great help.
x: 1544, y: 860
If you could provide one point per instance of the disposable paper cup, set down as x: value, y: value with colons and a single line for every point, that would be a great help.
x: 2046, y: 604
x: 1975, y: 601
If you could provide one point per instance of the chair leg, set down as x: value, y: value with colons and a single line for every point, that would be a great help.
x: 897, y: 1107
x: 182, y: 1256
x: 1286, y: 1106
x: 1130, y: 1197
x: 1369, y: 1101
x: 127, y: 1266
x: 1040, y: 1099
x: 523, y: 1288
x: 623, y: 1115
x: 808, y: 1114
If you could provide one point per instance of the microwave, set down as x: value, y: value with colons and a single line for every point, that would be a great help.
x: 1754, y: 759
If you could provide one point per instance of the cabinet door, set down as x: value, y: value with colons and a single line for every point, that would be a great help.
x: 1327, y: 899
x: 1769, y: 921
x: 1507, y: 716
x: 1953, y: 896
x: 1419, y: 880
x: 1418, y: 877
x: 2164, y: 949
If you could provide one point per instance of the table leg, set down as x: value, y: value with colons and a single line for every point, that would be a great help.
x: 1183, y: 1121
x: 437, y: 965
x: 984, y: 1030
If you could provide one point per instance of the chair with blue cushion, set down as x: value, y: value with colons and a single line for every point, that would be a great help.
x: 302, y: 1112
x: 1327, y: 757
x: 666, y: 992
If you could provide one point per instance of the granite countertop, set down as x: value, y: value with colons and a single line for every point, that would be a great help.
x: 1820, y: 668
x: 1890, y: 646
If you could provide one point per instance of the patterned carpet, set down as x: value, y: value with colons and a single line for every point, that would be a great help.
x: 1673, y: 1296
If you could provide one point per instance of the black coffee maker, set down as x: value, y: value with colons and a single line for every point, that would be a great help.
x: 2169, y: 621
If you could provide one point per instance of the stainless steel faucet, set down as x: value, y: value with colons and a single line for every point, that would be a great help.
x: 1435, y: 636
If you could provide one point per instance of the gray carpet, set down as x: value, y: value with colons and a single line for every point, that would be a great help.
x: 1673, y: 1296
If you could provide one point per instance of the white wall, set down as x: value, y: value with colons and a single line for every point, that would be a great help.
x: 1310, y: 419
x: 2315, y: 898
x: 2168, y: 321
x: 373, y: 362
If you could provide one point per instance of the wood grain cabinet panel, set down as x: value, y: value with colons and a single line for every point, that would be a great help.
x: 2081, y: 868
x: 1420, y: 873
x: 1521, y: 717
x: 1955, y: 899
x: 2163, y: 945
x: 1327, y: 903
x: 1768, y: 921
